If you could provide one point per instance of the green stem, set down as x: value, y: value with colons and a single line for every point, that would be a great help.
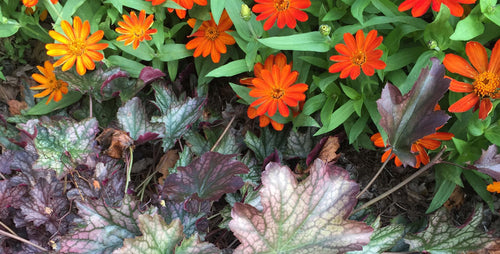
x: 129, y: 167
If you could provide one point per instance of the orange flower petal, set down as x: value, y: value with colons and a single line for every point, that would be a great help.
x: 477, y: 56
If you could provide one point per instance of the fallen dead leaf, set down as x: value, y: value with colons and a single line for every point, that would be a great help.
x: 329, y: 151
x: 167, y: 161
x: 115, y: 142
x: 491, y: 248
x: 16, y: 106
x: 456, y: 199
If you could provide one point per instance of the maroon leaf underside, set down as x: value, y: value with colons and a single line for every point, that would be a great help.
x: 489, y: 162
x: 407, y: 118
x: 207, y: 177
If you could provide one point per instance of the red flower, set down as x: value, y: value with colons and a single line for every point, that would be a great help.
x: 486, y: 84
x: 357, y: 54
x: 264, y: 120
x: 421, y: 6
x: 431, y: 142
x: 285, y: 11
x: 188, y: 5
x: 156, y: 2
x: 211, y: 38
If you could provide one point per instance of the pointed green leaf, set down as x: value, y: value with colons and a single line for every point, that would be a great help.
x: 311, y: 41
x: 41, y: 108
x: 230, y: 69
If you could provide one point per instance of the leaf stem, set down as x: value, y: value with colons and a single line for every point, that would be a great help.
x: 376, y: 175
x: 223, y: 134
x: 129, y: 167
x: 407, y: 180
x: 7, y: 234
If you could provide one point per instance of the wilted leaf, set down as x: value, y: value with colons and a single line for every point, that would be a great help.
x: 104, y: 227
x: 65, y: 144
x: 114, y: 142
x: 443, y: 237
x: 176, y: 116
x: 489, y: 162
x: 133, y: 119
x: 209, y: 177
x: 306, y: 217
x: 46, y: 205
x: 408, y: 118
x: 329, y: 151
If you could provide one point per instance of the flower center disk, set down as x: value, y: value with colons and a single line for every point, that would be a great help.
x: 487, y: 84
x: 281, y: 5
x: 359, y: 58
x: 211, y: 33
x: 277, y: 93
x: 77, y: 47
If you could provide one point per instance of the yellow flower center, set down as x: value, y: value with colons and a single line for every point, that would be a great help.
x: 277, y: 93
x: 281, y: 5
x: 359, y: 58
x: 138, y: 32
x: 211, y: 33
x: 486, y: 84
x: 77, y: 47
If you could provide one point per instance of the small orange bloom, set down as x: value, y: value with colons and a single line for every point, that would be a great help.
x: 76, y: 47
x: 31, y: 3
x: 357, y: 54
x: 53, y: 87
x: 264, y: 120
x: 287, y: 12
x: 486, y: 84
x: 186, y: 4
x: 135, y: 29
x: 156, y: 2
x: 431, y: 142
x: 494, y: 187
x: 421, y: 6
x: 275, y: 90
x: 211, y: 38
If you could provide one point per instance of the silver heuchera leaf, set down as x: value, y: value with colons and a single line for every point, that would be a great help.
x: 133, y: 119
x: 489, y: 163
x: 382, y: 239
x: 442, y: 237
x: 65, y: 144
x: 306, y: 217
x: 407, y: 118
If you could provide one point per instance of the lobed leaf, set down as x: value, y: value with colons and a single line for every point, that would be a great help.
x: 306, y: 217
x: 382, y: 239
x: 209, y: 177
x: 489, y: 162
x: 408, y: 118
x: 65, y: 144
x: 442, y: 237
x: 133, y: 119
x: 104, y: 228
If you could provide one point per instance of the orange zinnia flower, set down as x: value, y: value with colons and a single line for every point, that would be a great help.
x: 421, y: 6
x: 431, y: 142
x: 286, y: 11
x: 494, y: 187
x: 186, y: 4
x: 275, y: 90
x: 264, y: 120
x: 486, y: 84
x: 31, y: 3
x: 76, y: 47
x: 356, y: 54
x: 156, y: 2
x: 135, y: 29
x: 211, y: 38
x: 53, y: 87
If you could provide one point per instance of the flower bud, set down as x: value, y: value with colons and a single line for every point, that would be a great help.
x: 325, y: 30
x: 432, y: 44
x: 246, y: 12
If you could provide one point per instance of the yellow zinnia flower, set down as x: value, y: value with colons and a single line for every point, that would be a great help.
x: 76, y: 47
x: 53, y: 87
x: 135, y: 29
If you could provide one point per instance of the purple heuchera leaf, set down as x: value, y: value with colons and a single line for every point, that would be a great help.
x: 408, y: 118
x: 10, y: 196
x: 489, y: 163
x: 105, y: 227
x: 111, y: 75
x: 315, y: 151
x: 149, y: 74
x: 16, y: 160
x: 209, y: 177
x: 46, y: 205
x: 133, y: 119
x: 310, y: 216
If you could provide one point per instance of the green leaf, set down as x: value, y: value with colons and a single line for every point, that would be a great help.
x: 132, y: 67
x: 65, y: 144
x: 477, y: 127
x: 350, y: 92
x: 357, y: 128
x: 334, y: 14
x: 233, y: 8
x: 217, y: 7
x: 313, y: 104
x: 8, y: 27
x: 441, y: 236
x: 264, y: 145
x: 41, y: 108
x: 170, y: 52
x: 311, y: 41
x: 299, y: 144
x: 490, y: 10
x: 68, y: 10
x: 357, y: 9
x: 133, y: 119
x: 143, y: 52
x: 440, y: 29
x: 479, y: 186
x: 469, y: 27
x: 442, y: 194
x: 493, y: 134
x: 230, y: 69
x: 307, y: 217
x: 243, y: 93
x: 382, y: 239
x: 338, y: 117
x: 449, y: 172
